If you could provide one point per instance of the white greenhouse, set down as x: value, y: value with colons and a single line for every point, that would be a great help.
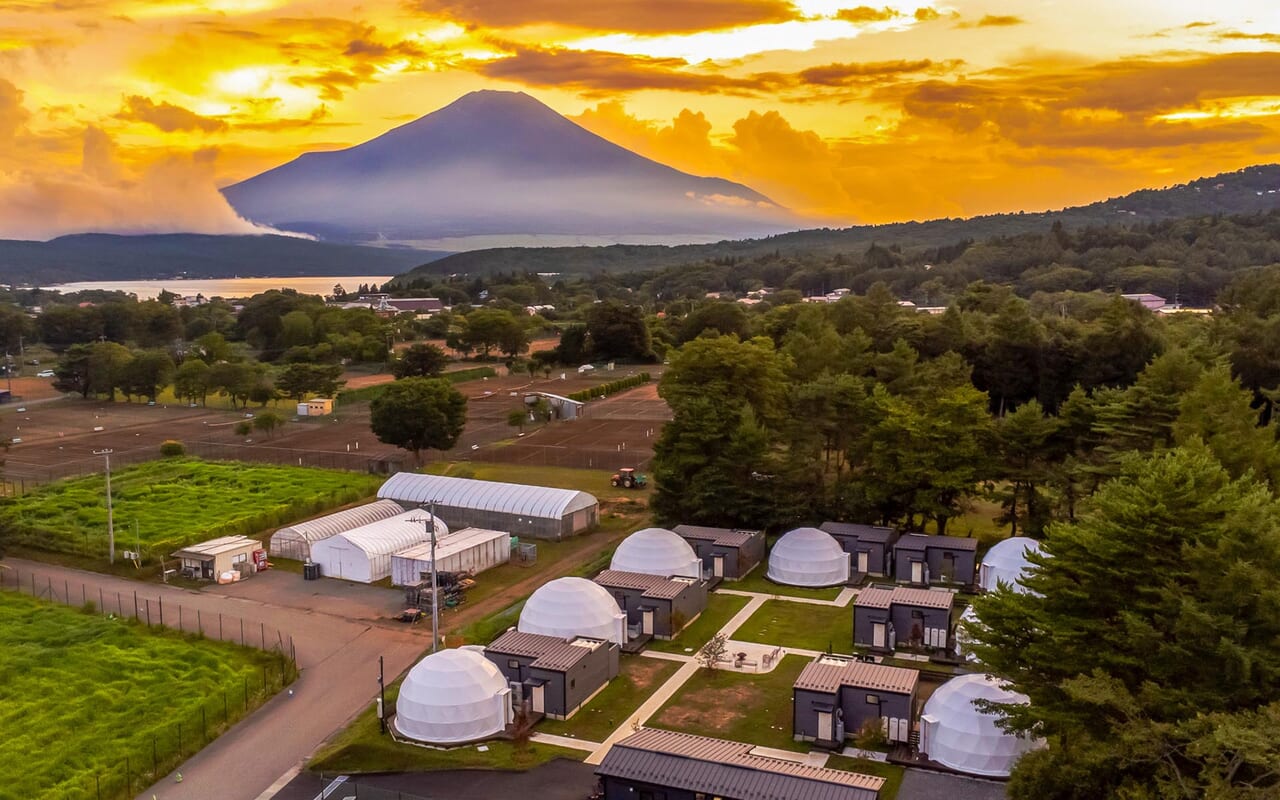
x: 956, y: 734
x: 364, y: 554
x: 540, y: 512
x: 656, y: 551
x: 569, y: 607
x: 469, y: 550
x: 808, y: 557
x: 451, y: 697
x: 295, y: 540
x: 1007, y: 563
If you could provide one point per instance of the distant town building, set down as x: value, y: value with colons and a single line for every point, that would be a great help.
x: 1151, y: 302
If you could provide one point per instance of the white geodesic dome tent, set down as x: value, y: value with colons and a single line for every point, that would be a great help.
x: 1007, y: 563
x: 364, y: 554
x: 294, y: 541
x: 956, y: 734
x: 569, y: 607
x: 453, y: 696
x: 808, y: 557
x: 967, y: 622
x: 657, y: 551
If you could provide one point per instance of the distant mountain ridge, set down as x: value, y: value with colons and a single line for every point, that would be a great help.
x: 1249, y: 190
x: 95, y: 256
x: 497, y: 163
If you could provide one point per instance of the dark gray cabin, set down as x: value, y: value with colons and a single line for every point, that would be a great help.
x: 870, y: 546
x: 836, y: 697
x: 556, y: 675
x: 651, y: 601
x: 924, y: 560
x: 665, y: 765
x: 726, y: 553
x: 885, y: 619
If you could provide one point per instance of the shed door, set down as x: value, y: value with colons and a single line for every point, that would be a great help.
x: 917, y: 572
x: 536, y: 698
x: 717, y: 566
x: 825, y: 732
x: 877, y: 634
x: 646, y: 622
x: 864, y: 562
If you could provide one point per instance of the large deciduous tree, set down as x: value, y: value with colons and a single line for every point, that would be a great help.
x: 420, y: 361
x: 1149, y: 644
x: 415, y: 414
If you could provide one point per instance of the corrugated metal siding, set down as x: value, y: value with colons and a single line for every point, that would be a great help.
x: 741, y: 782
x: 473, y: 549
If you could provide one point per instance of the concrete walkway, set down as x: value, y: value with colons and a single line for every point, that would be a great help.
x: 565, y: 741
x: 673, y: 684
x: 842, y: 600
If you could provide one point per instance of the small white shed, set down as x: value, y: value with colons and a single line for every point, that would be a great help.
x: 470, y: 549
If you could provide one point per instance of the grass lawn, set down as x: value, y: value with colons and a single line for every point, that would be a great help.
x: 720, y: 609
x: 176, y: 502
x: 757, y: 582
x: 81, y: 692
x: 800, y: 625
x: 484, y: 631
x: 638, y: 677
x: 978, y: 522
x: 361, y: 748
x: 738, y: 706
x: 892, y: 773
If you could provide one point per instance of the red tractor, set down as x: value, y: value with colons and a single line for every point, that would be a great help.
x: 628, y: 478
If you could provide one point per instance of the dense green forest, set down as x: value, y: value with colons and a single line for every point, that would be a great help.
x: 1248, y: 191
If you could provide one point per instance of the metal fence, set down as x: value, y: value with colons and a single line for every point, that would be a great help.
x: 171, y: 740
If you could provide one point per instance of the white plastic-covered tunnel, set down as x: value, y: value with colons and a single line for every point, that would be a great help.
x: 569, y: 607
x: 453, y: 696
x: 957, y: 734
x: 808, y: 557
x: 657, y: 551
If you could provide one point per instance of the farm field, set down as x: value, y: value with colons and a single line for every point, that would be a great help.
x: 175, y: 502
x: 638, y: 677
x: 743, y: 707
x: 800, y: 625
x: 103, y: 690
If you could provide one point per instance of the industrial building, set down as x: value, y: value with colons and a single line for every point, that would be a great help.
x: 837, y: 696
x: 470, y: 550
x: 655, y: 606
x: 655, y: 764
x: 363, y: 554
x: 452, y: 697
x: 656, y: 551
x: 808, y: 557
x: 726, y: 553
x: 958, y: 735
x: 211, y: 559
x: 294, y: 541
x: 571, y: 607
x: 555, y: 676
x: 539, y: 512
x: 870, y: 546
x: 1006, y: 563
x: 885, y: 619
x: 924, y: 560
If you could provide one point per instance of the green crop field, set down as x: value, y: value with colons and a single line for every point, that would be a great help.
x: 175, y: 502
x: 82, y: 692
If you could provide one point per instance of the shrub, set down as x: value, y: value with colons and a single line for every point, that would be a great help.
x: 871, y: 736
x: 171, y: 448
x: 613, y: 387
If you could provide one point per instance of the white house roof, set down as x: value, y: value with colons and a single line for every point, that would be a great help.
x: 223, y: 544
x: 314, y: 530
x: 656, y: 551
x: 452, y: 696
x: 1007, y: 563
x: 457, y: 542
x: 960, y: 736
x: 541, y: 502
x: 808, y: 557
x: 571, y: 607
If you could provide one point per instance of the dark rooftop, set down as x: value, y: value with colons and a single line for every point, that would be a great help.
x: 863, y: 533
x: 729, y: 537
x: 920, y: 541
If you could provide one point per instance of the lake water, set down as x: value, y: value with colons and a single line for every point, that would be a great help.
x: 226, y: 287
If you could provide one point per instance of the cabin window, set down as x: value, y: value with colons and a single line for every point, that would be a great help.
x: 873, y: 699
x: 513, y: 663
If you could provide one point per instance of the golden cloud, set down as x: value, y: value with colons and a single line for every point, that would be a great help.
x: 871, y: 72
x: 167, y: 116
x: 632, y: 16
x: 864, y: 14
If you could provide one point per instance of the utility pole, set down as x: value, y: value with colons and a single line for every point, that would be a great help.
x: 435, y: 598
x: 382, y: 698
x: 111, y: 529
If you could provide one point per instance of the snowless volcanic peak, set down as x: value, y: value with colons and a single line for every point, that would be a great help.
x: 498, y: 163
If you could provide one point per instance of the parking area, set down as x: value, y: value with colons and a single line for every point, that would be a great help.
x: 325, y: 596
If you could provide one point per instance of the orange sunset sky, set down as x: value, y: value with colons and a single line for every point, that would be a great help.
x: 124, y: 115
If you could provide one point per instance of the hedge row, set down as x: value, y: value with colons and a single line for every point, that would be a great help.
x: 367, y: 393
x: 613, y: 387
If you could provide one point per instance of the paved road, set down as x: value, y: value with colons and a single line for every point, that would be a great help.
x: 338, y: 660
x: 556, y: 780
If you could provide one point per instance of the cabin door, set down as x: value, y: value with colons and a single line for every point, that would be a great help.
x: 948, y: 567
x: 917, y: 572
x: 877, y: 634
x: 864, y: 562
x: 717, y: 566
x: 825, y: 727
x: 538, y: 699
x: 646, y: 622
